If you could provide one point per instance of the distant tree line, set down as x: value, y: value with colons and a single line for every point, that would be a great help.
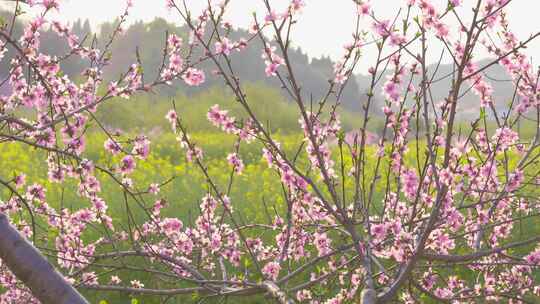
x: 148, y: 38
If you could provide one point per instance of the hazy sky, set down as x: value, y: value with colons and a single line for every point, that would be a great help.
x: 325, y: 25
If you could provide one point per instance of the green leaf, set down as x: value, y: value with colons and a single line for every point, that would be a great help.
x: 134, y: 301
x: 103, y: 302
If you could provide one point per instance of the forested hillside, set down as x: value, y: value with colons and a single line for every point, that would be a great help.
x: 148, y: 40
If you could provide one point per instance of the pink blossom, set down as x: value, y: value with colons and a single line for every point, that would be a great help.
x: 193, y: 77
x: 303, y: 295
x: 112, y: 146
x: 224, y: 46
x: 391, y: 91
x: 20, y: 180
x: 271, y: 270
x: 297, y: 5
x: 127, y: 164
x: 171, y: 225
x: 504, y: 138
x: 50, y: 4
x: 514, y: 181
x: 136, y: 284
x: 272, y: 16
x: 115, y: 280
x: 170, y: 4
x: 382, y: 28
x: 141, y: 147
x: 378, y: 231
x: 154, y: 188
x: 363, y: 8
x: 174, y: 42
x: 271, y: 69
x: 322, y: 243
x: 410, y: 183
x: 442, y: 30
x: 89, y: 278
x: 35, y: 192
x: 237, y: 163
x: 272, y: 61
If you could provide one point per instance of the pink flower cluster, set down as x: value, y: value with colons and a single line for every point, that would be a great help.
x: 228, y: 124
x: 236, y: 162
x: 193, y: 77
x: 176, y: 62
x: 317, y: 134
x: 272, y: 60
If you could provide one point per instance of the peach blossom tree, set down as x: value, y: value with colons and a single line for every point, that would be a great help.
x: 430, y: 211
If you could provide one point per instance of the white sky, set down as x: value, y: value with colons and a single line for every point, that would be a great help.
x: 325, y: 25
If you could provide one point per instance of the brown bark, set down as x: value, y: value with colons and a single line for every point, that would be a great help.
x: 275, y: 292
x: 33, y: 269
x: 368, y: 296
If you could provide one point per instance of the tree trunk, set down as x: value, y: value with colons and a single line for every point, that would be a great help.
x: 33, y: 269
x: 368, y: 296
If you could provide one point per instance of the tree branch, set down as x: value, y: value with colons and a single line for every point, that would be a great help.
x: 29, y: 266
